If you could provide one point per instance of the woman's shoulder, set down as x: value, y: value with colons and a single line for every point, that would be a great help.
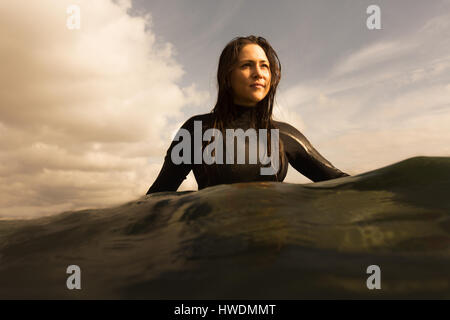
x: 287, y: 129
x: 204, y: 118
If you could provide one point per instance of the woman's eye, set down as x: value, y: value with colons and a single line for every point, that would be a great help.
x: 249, y: 65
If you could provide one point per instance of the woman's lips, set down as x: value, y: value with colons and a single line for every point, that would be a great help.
x: 257, y: 86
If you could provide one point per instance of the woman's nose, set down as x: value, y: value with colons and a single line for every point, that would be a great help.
x: 257, y: 73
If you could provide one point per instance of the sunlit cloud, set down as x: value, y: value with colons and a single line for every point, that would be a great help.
x: 85, y: 115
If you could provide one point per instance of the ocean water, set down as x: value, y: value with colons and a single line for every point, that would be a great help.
x: 247, y: 241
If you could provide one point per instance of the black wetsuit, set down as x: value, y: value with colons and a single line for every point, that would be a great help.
x: 297, y: 151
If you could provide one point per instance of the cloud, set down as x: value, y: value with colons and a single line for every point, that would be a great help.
x: 385, y: 102
x: 83, y: 112
x: 371, y: 55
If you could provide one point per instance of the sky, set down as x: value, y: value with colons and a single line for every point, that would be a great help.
x: 86, y: 115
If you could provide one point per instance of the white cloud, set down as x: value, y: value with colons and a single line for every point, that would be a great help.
x: 374, y: 54
x: 82, y: 111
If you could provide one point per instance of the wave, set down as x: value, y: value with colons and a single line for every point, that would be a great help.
x: 263, y: 240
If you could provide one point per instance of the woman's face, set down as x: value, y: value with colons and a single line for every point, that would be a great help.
x: 250, y: 79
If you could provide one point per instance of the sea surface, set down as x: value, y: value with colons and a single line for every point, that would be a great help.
x: 247, y: 241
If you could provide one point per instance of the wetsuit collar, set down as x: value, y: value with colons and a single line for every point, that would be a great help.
x: 240, y: 109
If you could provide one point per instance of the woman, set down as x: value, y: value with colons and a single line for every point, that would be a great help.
x: 248, y: 75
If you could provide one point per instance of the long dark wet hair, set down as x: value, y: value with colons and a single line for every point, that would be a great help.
x: 262, y: 115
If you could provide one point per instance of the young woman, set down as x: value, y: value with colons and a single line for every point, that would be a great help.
x: 248, y: 75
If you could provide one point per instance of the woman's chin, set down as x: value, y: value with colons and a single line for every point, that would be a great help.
x: 256, y: 99
x: 250, y: 100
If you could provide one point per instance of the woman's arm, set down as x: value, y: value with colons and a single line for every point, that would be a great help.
x: 304, y: 158
x: 172, y: 175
